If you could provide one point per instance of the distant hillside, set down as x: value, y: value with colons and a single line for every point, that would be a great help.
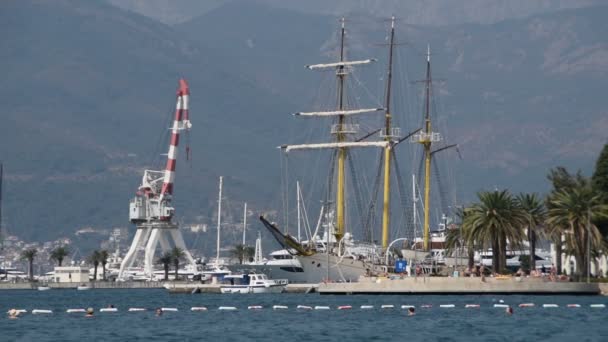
x: 88, y: 89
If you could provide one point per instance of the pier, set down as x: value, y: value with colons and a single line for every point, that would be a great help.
x: 461, y: 285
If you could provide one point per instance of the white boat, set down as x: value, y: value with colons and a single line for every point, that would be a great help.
x: 252, y: 283
x: 43, y: 288
x: 83, y: 287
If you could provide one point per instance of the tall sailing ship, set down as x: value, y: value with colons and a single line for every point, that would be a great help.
x: 335, y: 255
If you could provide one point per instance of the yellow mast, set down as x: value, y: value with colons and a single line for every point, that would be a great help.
x: 341, y: 151
x: 387, y: 150
x: 427, y: 138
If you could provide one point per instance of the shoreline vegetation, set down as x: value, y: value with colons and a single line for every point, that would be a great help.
x: 573, y: 216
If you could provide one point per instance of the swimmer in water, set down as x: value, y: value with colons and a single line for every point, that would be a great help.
x: 509, y: 311
x: 13, y: 314
x: 89, y: 312
x: 159, y: 312
x: 411, y: 311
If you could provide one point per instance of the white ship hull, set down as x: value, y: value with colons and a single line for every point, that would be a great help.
x: 313, y: 269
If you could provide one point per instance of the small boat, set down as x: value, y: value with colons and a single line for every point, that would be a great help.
x: 83, y: 287
x: 252, y: 283
x: 43, y: 288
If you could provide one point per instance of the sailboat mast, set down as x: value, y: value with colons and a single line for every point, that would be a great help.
x: 299, y: 211
x: 340, y: 206
x: 1, y: 179
x: 219, y: 222
x: 427, y: 151
x: 387, y: 149
x: 244, y: 222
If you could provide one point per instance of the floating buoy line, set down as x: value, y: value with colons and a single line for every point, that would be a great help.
x: 312, y: 308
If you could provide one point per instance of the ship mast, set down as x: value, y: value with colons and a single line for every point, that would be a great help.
x: 340, y: 128
x: 340, y: 73
x: 387, y: 149
x: 426, y: 138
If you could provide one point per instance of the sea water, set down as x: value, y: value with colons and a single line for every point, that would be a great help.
x: 435, y: 323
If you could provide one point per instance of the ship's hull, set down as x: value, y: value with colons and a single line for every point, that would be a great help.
x: 313, y: 269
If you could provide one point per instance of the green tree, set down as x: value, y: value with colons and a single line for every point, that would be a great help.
x: 599, y: 182
x: 29, y: 255
x: 103, y: 259
x: 535, y: 216
x: 177, y: 254
x: 242, y: 252
x: 59, y: 253
x: 166, y: 259
x: 493, y: 221
x: 575, y: 209
x: 95, y: 259
x: 562, y: 180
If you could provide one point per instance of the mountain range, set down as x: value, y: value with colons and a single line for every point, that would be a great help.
x: 88, y: 90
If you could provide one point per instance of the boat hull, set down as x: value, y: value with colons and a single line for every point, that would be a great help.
x: 245, y: 289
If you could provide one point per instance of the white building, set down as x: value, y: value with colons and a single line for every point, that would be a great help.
x: 71, y: 274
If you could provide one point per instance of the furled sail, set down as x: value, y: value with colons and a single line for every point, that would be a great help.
x: 343, y: 144
x: 340, y: 64
x: 339, y: 112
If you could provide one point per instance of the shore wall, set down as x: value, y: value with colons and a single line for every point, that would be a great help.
x: 93, y: 285
x: 449, y: 285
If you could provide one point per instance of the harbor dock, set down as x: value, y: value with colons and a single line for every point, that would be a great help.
x: 462, y: 285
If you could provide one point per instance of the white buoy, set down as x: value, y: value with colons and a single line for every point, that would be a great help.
x: 597, y: 306
x: 198, y: 308
x: 321, y: 307
x: 426, y: 306
x: 550, y: 305
x: 406, y: 307
x: 573, y: 305
x: 304, y: 307
x: 21, y: 311
x: 387, y: 306
x: 136, y: 309
x: 366, y: 307
x: 39, y: 311
x: 344, y: 307
x: 527, y: 305
x: 471, y: 306
x: 108, y: 310
x: 168, y: 309
x: 447, y: 305
x: 501, y: 306
x: 280, y: 307
x: 227, y: 308
x: 75, y: 310
x: 255, y: 307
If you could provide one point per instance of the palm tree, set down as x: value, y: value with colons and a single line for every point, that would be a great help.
x: 166, y: 260
x: 29, y: 255
x: 536, y: 215
x: 241, y: 252
x: 103, y: 259
x: 95, y: 259
x: 59, y: 253
x: 574, y: 210
x: 177, y: 254
x: 493, y: 221
x: 561, y: 179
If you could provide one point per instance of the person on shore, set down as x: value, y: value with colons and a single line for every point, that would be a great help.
x: 543, y: 270
x: 159, y: 312
x: 89, y: 312
x: 411, y: 311
x: 509, y: 311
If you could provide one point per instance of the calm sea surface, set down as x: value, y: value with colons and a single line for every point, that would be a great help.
x: 429, y: 324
